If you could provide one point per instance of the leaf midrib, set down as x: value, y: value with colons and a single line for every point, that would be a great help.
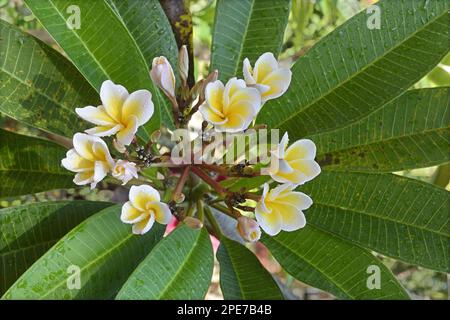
x: 182, y: 266
x: 309, y: 105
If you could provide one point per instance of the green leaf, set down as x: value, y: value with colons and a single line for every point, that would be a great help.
x: 246, y: 29
x: 151, y: 30
x: 326, y: 262
x: 29, y: 165
x: 356, y: 70
x: 410, y: 132
x: 38, y: 85
x: 102, y: 247
x: 399, y: 217
x: 242, y: 277
x: 180, y: 267
x: 28, y: 231
x: 102, y: 48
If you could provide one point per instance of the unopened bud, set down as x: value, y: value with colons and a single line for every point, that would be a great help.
x: 183, y: 63
x: 193, y: 223
x: 119, y: 146
x: 248, y: 229
x: 155, y: 136
x: 179, y: 197
x: 162, y: 75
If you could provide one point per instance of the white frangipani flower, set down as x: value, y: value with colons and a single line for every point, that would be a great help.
x: 125, y: 171
x: 248, y: 229
x: 295, y: 164
x: 144, y: 208
x: 121, y: 113
x: 281, y: 209
x: 163, y: 76
x: 90, y: 159
x: 230, y: 108
x: 268, y: 76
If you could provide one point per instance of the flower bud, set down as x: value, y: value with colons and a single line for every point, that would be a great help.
x: 248, y: 229
x: 162, y: 75
x: 179, y: 197
x: 183, y: 63
x: 193, y: 223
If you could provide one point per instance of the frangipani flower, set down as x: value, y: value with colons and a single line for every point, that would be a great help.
x: 295, y: 164
x: 90, y: 159
x: 230, y: 108
x: 267, y: 76
x: 162, y: 75
x: 281, y: 209
x: 248, y: 229
x: 121, y: 113
x: 144, y: 208
x: 125, y: 171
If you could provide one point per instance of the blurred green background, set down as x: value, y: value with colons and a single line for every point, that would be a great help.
x: 309, y: 21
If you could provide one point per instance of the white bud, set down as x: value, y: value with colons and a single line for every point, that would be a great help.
x: 162, y: 75
x: 183, y: 63
x: 248, y: 229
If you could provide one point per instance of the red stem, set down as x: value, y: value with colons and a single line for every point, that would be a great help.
x: 205, y: 177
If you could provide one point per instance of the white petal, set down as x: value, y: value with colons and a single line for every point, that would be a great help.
x: 262, y: 201
x: 83, y: 145
x: 278, y: 82
x: 144, y: 226
x: 94, y: 115
x: 104, y: 131
x: 301, y: 149
x: 141, y: 195
x: 83, y: 178
x: 265, y: 64
x: 247, y: 72
x: 74, y: 162
x: 100, y: 171
x: 297, y: 199
x: 140, y: 105
x: 130, y: 214
x: 233, y: 85
x: 209, y: 115
x: 113, y: 97
x: 293, y: 220
x: 126, y: 135
x: 101, y: 152
x: 270, y: 222
x: 309, y: 168
x: 214, y: 95
x: 280, y: 189
x: 161, y: 211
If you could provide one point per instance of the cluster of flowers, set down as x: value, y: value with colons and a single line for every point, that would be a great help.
x: 230, y: 107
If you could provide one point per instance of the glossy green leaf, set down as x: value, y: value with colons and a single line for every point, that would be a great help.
x: 151, y: 30
x: 399, y: 217
x: 356, y: 69
x: 246, y: 29
x: 102, y: 247
x: 410, y: 132
x: 29, y: 165
x: 242, y: 277
x: 28, y: 231
x: 179, y: 267
x: 332, y: 264
x: 101, y: 48
x: 38, y: 86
